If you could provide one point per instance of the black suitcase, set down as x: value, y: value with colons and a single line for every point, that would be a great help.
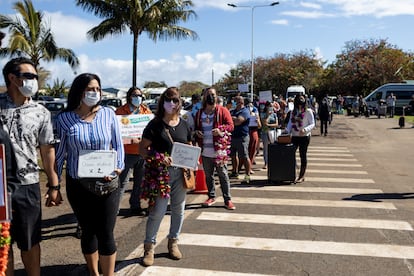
x: 282, y: 163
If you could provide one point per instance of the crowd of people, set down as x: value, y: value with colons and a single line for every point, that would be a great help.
x: 226, y: 134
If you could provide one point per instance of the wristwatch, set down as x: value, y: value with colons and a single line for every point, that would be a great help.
x: 56, y: 187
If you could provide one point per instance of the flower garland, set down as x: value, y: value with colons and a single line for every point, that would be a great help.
x: 4, y: 246
x: 222, y: 145
x: 156, y: 178
x: 297, y: 119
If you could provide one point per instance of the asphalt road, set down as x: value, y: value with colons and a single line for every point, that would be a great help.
x: 352, y: 216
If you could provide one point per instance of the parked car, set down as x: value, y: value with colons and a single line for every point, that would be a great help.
x: 55, y: 108
x: 114, y: 103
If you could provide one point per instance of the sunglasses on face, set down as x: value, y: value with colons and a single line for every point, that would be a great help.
x: 174, y: 100
x: 25, y: 75
x: 136, y: 96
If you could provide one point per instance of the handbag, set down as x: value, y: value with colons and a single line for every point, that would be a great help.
x: 99, y: 186
x: 188, y: 179
x: 284, y: 139
x: 272, y: 135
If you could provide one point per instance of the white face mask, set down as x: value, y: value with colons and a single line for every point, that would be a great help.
x: 91, y: 98
x: 29, y: 87
x: 136, y: 101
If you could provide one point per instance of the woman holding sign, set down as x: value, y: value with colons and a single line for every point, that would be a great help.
x: 167, y: 183
x: 133, y: 160
x: 87, y: 129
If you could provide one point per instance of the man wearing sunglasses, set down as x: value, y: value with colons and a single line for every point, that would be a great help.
x: 29, y: 126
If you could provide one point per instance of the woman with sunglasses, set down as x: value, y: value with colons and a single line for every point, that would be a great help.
x: 156, y: 146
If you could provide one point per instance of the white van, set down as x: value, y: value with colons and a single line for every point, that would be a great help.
x: 402, y: 91
x: 293, y: 90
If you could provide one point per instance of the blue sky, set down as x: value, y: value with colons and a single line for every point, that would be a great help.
x: 323, y: 26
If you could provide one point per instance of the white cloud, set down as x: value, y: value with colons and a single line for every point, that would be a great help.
x: 69, y: 31
x: 311, y: 5
x: 307, y: 14
x: 280, y: 22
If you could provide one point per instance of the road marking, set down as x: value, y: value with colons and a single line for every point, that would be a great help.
x: 306, y: 220
x: 340, y: 180
x: 327, y: 150
x: 302, y: 246
x: 178, y: 271
x: 316, y: 179
x: 335, y: 165
x: 336, y: 171
x: 330, y: 154
x: 332, y: 159
x: 313, y: 203
x: 310, y: 189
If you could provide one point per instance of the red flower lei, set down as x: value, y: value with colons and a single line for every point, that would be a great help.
x: 222, y: 145
x: 297, y: 119
x: 156, y: 179
x: 4, y: 246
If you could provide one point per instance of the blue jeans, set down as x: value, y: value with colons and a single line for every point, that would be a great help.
x: 266, y: 142
x: 156, y: 213
x: 135, y: 162
x: 209, y: 164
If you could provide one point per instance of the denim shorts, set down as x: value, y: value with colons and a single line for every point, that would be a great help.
x: 26, y: 216
x: 240, y: 146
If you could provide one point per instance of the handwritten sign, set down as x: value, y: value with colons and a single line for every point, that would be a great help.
x: 96, y: 163
x: 132, y: 126
x: 185, y: 156
x: 266, y: 96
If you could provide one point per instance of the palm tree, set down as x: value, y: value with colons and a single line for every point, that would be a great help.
x: 32, y: 37
x: 158, y: 18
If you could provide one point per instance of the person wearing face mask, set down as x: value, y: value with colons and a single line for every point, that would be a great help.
x: 167, y: 185
x: 213, y: 126
x: 29, y: 127
x: 300, y: 125
x: 85, y: 125
x: 133, y: 160
x: 269, y: 123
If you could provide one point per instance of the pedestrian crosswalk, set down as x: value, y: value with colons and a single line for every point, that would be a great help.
x: 333, y: 177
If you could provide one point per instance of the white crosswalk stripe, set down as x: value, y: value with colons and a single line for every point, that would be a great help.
x: 304, y: 220
x: 158, y: 270
x: 321, y: 247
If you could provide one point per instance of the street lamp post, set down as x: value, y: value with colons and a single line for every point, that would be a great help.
x: 252, y: 41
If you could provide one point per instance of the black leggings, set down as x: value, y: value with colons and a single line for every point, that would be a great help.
x: 96, y: 216
x: 302, y: 142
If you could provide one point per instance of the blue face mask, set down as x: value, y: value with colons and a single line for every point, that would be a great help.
x: 136, y: 101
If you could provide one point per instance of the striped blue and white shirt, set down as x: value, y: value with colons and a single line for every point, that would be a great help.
x: 75, y: 134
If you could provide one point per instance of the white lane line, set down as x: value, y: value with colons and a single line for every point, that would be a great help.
x: 340, y: 180
x: 335, y: 165
x: 336, y: 171
x: 332, y: 159
x: 178, y: 271
x: 327, y: 150
x: 321, y: 147
x: 330, y: 154
x: 317, y: 179
x: 306, y: 220
x: 312, y: 203
x: 302, y: 246
x: 310, y: 189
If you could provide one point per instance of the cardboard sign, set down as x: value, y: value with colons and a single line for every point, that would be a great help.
x: 132, y: 126
x: 185, y: 156
x: 4, y: 208
x: 96, y: 163
x: 266, y: 96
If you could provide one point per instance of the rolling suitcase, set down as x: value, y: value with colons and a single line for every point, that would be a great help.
x: 282, y: 163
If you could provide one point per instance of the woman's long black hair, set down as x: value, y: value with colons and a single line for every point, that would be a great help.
x: 79, y: 85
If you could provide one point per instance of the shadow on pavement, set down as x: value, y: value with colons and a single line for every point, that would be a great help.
x: 380, y: 197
